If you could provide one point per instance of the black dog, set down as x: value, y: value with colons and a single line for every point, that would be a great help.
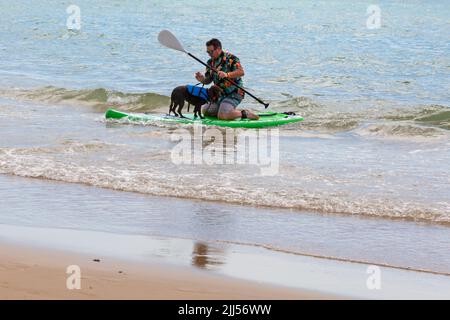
x: 193, y: 95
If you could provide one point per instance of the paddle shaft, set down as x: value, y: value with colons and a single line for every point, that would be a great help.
x: 229, y: 80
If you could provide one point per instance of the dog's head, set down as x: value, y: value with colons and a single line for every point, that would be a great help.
x: 214, y: 93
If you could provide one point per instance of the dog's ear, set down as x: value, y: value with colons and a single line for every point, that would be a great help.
x: 218, y: 90
x: 215, y: 92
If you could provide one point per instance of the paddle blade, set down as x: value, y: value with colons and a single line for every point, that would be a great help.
x: 167, y: 39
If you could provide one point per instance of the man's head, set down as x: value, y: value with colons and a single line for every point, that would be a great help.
x: 214, y: 48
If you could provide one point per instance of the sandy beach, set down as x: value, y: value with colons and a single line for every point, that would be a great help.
x: 28, y: 273
x: 137, y: 261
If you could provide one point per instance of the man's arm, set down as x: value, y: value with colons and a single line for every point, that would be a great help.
x: 238, y: 73
x: 205, y: 79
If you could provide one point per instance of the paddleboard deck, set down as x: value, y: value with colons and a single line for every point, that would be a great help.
x: 267, y: 119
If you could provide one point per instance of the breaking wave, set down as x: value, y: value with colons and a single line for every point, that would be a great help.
x: 158, y: 179
x: 429, y: 121
x: 405, y: 130
x: 100, y: 99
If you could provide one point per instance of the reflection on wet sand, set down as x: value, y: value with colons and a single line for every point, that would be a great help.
x: 205, y: 256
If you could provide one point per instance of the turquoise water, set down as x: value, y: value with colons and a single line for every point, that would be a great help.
x: 317, y: 49
x: 375, y: 140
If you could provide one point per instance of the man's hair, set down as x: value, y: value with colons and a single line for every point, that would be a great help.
x: 214, y: 42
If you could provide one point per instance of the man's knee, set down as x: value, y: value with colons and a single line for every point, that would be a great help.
x: 209, y: 110
x: 222, y: 116
x: 226, y: 111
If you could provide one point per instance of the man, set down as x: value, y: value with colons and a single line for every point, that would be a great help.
x: 228, y: 66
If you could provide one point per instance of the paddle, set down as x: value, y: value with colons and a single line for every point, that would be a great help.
x: 167, y: 39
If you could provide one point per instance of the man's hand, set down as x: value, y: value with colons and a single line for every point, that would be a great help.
x: 222, y: 74
x: 200, y: 77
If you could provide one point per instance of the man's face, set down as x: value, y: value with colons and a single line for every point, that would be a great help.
x: 213, y: 52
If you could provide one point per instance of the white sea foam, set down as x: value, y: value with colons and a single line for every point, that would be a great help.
x: 232, y: 187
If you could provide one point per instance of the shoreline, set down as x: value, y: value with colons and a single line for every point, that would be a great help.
x: 33, y: 266
x: 332, y: 214
x: 30, y: 273
x: 350, y: 239
x: 223, y: 241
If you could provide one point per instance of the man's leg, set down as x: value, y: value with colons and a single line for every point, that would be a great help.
x: 227, y: 111
x: 210, y: 110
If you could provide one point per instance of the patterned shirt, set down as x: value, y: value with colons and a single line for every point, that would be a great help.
x: 226, y: 62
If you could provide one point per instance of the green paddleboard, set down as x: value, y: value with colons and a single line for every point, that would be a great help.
x: 267, y: 119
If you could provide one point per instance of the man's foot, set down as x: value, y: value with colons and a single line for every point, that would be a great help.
x: 246, y: 114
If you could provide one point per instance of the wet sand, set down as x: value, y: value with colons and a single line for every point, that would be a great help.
x: 30, y: 273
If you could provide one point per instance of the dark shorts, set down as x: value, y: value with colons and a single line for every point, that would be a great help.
x: 225, y: 105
